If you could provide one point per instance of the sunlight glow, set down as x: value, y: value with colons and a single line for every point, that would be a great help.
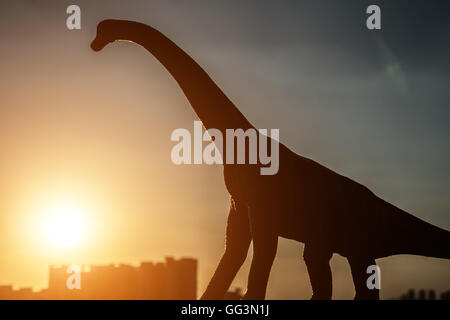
x: 64, y: 225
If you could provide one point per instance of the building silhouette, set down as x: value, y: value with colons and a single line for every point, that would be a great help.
x: 424, y: 295
x: 170, y: 280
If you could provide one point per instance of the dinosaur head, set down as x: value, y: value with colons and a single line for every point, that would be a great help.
x: 109, y: 31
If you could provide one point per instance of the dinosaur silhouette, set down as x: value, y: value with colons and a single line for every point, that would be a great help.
x: 304, y: 201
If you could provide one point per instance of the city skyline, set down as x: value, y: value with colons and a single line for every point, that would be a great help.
x: 173, y: 279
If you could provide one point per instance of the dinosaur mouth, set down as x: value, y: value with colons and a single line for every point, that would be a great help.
x: 98, y: 44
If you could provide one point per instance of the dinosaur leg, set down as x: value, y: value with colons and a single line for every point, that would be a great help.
x: 265, y: 242
x: 318, y: 264
x: 359, y: 266
x: 237, y: 243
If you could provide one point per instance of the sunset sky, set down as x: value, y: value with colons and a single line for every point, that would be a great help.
x: 90, y: 132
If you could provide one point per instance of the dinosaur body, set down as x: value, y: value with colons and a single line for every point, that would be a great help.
x: 304, y: 201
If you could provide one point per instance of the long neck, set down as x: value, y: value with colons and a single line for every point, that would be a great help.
x: 211, y: 105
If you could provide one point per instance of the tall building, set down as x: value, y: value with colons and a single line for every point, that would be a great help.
x: 173, y: 279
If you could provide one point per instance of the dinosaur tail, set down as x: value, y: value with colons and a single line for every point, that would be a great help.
x: 407, y: 234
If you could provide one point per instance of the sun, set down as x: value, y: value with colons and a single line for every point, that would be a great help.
x: 64, y: 225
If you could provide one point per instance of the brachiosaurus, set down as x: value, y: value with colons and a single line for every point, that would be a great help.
x: 304, y: 201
